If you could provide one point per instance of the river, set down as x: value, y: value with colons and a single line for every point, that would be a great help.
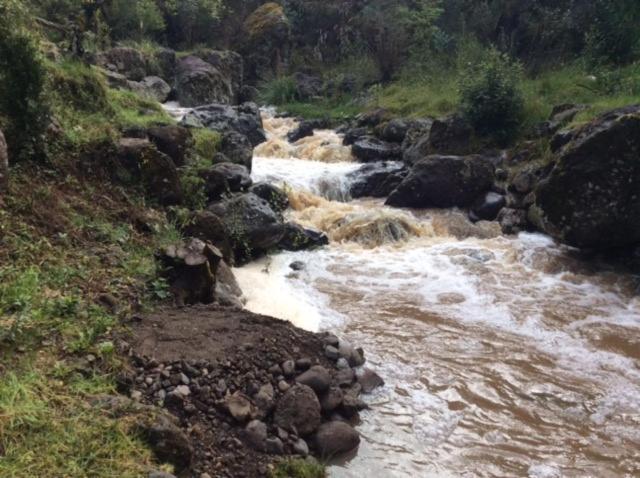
x: 502, y: 356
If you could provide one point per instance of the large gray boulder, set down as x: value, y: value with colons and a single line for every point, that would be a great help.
x: 230, y: 64
x: 127, y: 61
x: 335, y: 438
x: 151, y: 88
x: 253, y: 226
x: 200, y: 83
x: 444, y: 181
x: 591, y: 198
x: 368, y: 149
x: 172, y: 140
x: 445, y: 136
x: 298, y: 408
x: 244, y: 119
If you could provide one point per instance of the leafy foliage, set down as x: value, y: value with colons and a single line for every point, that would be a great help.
x: 490, y: 96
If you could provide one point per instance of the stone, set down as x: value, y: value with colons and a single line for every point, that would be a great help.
x: 239, y: 407
x: 276, y: 197
x: 298, y: 238
x: 369, y: 149
x: 335, y: 438
x: 513, y: 221
x: 591, y: 197
x: 200, y: 83
x: 274, y: 446
x: 345, y: 377
x: 487, y: 206
x: 298, y: 408
x: 237, y: 148
x: 153, y: 88
x: 231, y: 65
x: 300, y: 447
x: 223, y: 178
x: 172, y: 140
x: 208, y: 227
x: 331, y: 399
x: 445, y: 136
x: 264, y: 399
x: 255, y: 435
x: 252, y: 224
x: 377, y: 179
x: 288, y: 368
x: 244, y: 119
x: 166, y: 62
x: 306, y: 128
x: 351, y: 135
x: 317, y: 377
x: 444, y: 182
x: 331, y: 352
x: 307, y: 86
x: 369, y: 380
x: 127, y: 61
x: 228, y: 291
x: 342, y: 364
x: 169, y: 443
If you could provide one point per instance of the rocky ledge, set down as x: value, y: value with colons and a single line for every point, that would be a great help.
x: 244, y: 389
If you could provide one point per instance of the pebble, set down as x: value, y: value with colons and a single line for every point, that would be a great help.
x: 289, y: 368
x: 183, y: 390
x: 303, y: 363
x: 274, y: 446
x: 283, y: 386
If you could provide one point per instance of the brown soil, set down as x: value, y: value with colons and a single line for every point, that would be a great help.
x: 234, y: 346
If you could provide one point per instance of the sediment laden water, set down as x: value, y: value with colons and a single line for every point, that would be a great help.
x: 503, y: 356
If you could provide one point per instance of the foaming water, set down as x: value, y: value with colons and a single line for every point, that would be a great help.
x: 502, y: 356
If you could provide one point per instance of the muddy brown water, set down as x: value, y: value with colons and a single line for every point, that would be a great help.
x: 502, y: 356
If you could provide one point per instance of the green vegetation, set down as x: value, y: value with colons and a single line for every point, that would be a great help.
x: 63, y: 252
x: 296, y: 468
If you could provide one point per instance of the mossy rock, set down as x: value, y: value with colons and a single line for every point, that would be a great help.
x: 269, y: 20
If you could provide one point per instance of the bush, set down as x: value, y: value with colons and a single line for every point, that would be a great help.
x: 22, y: 81
x: 278, y: 91
x: 490, y: 96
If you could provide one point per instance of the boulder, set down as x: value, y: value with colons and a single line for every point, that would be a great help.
x: 237, y: 148
x: 190, y: 268
x: 166, y: 61
x: 248, y: 94
x: 298, y: 238
x: 208, y: 227
x: 513, y: 221
x: 591, y: 198
x: 172, y: 140
x: 331, y: 399
x: 450, y: 135
x: 255, y: 435
x: 139, y: 161
x: 240, y: 407
x: 351, y: 135
x: 369, y: 380
x: 307, y: 86
x: 151, y: 88
x: 230, y: 64
x: 368, y: 149
x: 200, y: 83
x: 443, y: 182
x: 305, y: 128
x: 276, y: 197
x: 298, y: 408
x: 168, y: 442
x: 395, y: 130
x: 377, y: 179
x: 4, y: 164
x: 223, y: 178
x: 373, y: 118
x: 244, y: 119
x: 127, y: 61
x: 487, y: 207
x: 335, y: 438
x: 253, y: 226
x: 228, y: 291
x: 317, y: 377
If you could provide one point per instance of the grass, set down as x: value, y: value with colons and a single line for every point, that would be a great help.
x: 61, y: 250
x: 297, y: 468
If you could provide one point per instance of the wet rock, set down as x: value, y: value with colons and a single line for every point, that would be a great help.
x: 255, y: 435
x: 200, y: 83
x: 354, y: 356
x: 298, y: 238
x: 305, y: 129
x: 239, y: 407
x: 208, y: 227
x: 342, y: 363
x: 331, y: 352
x: 226, y: 177
x: 303, y: 363
x: 335, y: 438
x: 276, y: 197
x: 248, y: 94
x: 331, y: 399
x: 298, y: 408
x: 351, y: 135
x: 297, y: 266
x: 172, y: 140
x: 152, y: 88
x: 139, y: 161
x: 244, y: 119
x: 488, y: 206
x: 445, y: 136
x: 369, y: 380
x: 368, y: 149
x: 513, y: 221
x: 237, y: 148
x: 444, y: 181
x: 228, y: 291
x: 345, y: 377
x: 166, y: 62
x: 377, y: 179
x: 190, y: 268
x: 317, y: 378
x: 373, y: 117
x: 252, y: 224
x: 590, y: 199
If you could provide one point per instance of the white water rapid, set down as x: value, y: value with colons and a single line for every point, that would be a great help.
x: 502, y: 356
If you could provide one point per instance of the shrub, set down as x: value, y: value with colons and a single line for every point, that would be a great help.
x: 22, y: 81
x: 490, y: 96
x: 278, y: 91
